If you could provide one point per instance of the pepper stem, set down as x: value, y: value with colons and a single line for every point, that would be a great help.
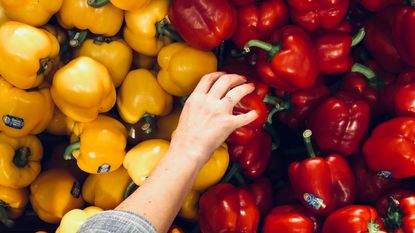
x: 21, y: 157
x: 271, y: 49
x: 3, y: 215
x: 67, y: 155
x: 77, y: 38
x: 44, y: 63
x: 130, y: 189
x: 231, y: 173
x: 164, y: 29
x: 360, y: 35
x: 364, y: 70
x: 279, y: 106
x: 149, y: 124
x: 97, y: 3
x: 307, y: 142
x: 373, y: 227
x: 393, y: 218
x: 99, y: 40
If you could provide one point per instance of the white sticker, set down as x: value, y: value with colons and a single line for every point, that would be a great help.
x: 313, y: 201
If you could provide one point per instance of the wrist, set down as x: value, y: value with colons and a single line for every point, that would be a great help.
x: 189, y: 152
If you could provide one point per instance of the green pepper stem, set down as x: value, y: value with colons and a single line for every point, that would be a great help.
x: 3, y: 216
x: 77, y: 38
x: 67, y: 155
x: 130, y: 189
x: 279, y: 106
x: 43, y: 65
x: 364, y: 70
x: 360, y: 35
x: 271, y: 49
x: 21, y: 157
x: 99, y: 40
x: 149, y: 124
x: 164, y: 29
x: 373, y: 227
x: 307, y: 142
x: 97, y: 3
x: 393, y: 218
x: 231, y: 173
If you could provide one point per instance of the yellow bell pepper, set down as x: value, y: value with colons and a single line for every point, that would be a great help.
x: 101, y: 147
x: 140, y: 94
x: 12, y: 204
x: 116, y: 55
x: 106, y: 190
x: 189, y: 210
x: 35, y: 13
x: 54, y: 193
x: 143, y: 158
x: 60, y: 124
x: 182, y: 67
x: 213, y: 171
x: 143, y: 61
x: 167, y: 124
x: 25, y: 53
x: 127, y: 5
x: 24, y: 112
x: 143, y: 27
x: 3, y: 16
x: 82, y: 89
x: 106, y: 20
x: 72, y: 221
x: 19, y: 160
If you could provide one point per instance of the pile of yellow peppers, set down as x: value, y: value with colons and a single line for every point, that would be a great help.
x: 90, y: 95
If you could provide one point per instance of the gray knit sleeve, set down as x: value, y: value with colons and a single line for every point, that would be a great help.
x: 116, y: 221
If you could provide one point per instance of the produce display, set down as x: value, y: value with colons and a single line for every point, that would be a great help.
x: 91, y: 92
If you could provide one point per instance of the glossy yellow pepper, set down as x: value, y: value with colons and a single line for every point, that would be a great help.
x: 72, y: 221
x: 116, y: 55
x: 182, y: 67
x: 189, y: 210
x: 3, y: 16
x: 35, y: 13
x: 101, y: 147
x: 143, y: 158
x: 106, y: 190
x: 213, y: 171
x: 140, y: 94
x: 82, y: 89
x: 167, y: 124
x: 12, y: 204
x: 143, y: 61
x: 60, y: 124
x: 142, y: 31
x: 24, y: 112
x: 127, y: 5
x: 54, y: 193
x: 19, y: 160
x: 106, y: 20
x: 25, y: 53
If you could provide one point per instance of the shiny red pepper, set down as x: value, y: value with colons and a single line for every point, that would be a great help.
x: 254, y: 155
x: 291, y: 219
x: 379, y: 43
x: 225, y: 208
x: 293, y: 63
x: 377, y: 5
x: 404, y: 34
x: 261, y: 192
x: 370, y: 185
x: 322, y: 184
x: 203, y: 24
x: 339, y: 124
x: 390, y: 148
x: 258, y: 21
x: 313, y: 14
x: 353, y: 218
x: 383, y: 203
x: 404, y: 94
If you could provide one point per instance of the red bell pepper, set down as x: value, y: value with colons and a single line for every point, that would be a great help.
x: 340, y: 124
x: 353, y: 218
x: 404, y: 34
x: 254, y: 155
x: 333, y: 50
x: 377, y: 5
x: 390, y: 148
x: 291, y: 219
x: 322, y: 185
x: 261, y: 191
x: 258, y: 21
x: 225, y: 208
x: 203, y: 24
x: 384, y: 202
x: 370, y: 185
x: 313, y: 14
x: 404, y: 94
x: 243, y: 2
x: 400, y: 216
x: 379, y: 43
x: 293, y: 63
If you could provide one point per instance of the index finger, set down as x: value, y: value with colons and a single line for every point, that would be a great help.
x: 207, y: 81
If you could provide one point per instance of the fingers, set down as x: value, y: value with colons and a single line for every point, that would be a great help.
x: 207, y: 81
x: 244, y: 119
x: 225, y: 83
x: 237, y: 93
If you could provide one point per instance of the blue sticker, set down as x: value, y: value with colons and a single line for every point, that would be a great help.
x: 104, y: 168
x: 313, y: 201
x: 385, y: 174
x: 13, y: 122
x: 76, y: 189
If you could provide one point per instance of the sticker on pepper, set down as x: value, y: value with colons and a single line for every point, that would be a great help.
x: 13, y: 122
x: 313, y: 201
x: 385, y: 174
x: 104, y: 168
x: 76, y: 189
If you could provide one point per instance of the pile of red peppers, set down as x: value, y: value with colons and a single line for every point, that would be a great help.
x: 333, y: 148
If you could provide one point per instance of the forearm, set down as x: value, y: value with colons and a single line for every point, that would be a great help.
x: 159, y: 199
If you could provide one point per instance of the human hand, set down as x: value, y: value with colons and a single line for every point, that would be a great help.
x: 206, y: 119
